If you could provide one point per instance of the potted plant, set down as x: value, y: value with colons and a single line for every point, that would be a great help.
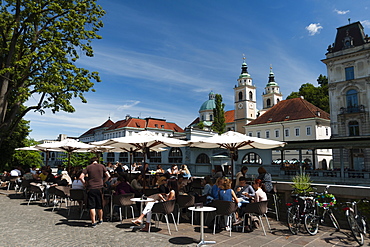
x: 301, y: 183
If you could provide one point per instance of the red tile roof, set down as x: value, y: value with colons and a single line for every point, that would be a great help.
x: 230, y: 116
x: 106, y: 124
x: 291, y: 109
x: 137, y: 123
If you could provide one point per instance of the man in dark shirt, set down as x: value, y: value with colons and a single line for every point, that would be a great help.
x: 95, y: 173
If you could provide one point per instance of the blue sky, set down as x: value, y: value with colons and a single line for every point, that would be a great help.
x: 161, y: 58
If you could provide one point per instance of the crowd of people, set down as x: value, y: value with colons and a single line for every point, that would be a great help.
x: 98, y: 179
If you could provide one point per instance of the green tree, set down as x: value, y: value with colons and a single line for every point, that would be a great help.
x: 219, y: 124
x: 17, y: 139
x: 79, y: 159
x: 318, y: 96
x: 40, y: 42
x: 27, y: 158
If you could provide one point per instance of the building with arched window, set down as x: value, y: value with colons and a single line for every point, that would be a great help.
x: 348, y: 68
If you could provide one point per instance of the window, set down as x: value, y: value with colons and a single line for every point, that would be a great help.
x: 211, y: 117
x: 267, y: 134
x: 286, y: 132
x: 353, y: 128
x: 123, y: 157
x: 277, y: 134
x: 138, y: 157
x: 250, y: 96
x: 297, y: 132
x: 175, y: 155
x: 327, y: 131
x: 110, y: 157
x: 155, y: 157
x: 202, y: 158
x: 352, y: 101
x: 250, y: 134
x: 268, y: 103
x: 308, y: 130
x: 240, y: 96
x: 252, y: 158
x: 258, y: 134
x: 350, y: 73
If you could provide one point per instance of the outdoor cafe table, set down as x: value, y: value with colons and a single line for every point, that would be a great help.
x: 202, y: 210
x: 142, y: 201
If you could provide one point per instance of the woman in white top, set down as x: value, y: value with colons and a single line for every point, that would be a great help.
x: 260, y: 195
x: 172, y: 185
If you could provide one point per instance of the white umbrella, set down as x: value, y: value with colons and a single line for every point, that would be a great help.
x: 233, y: 141
x: 40, y: 149
x: 144, y: 141
x: 67, y: 145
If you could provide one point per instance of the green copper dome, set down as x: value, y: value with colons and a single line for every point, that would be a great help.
x: 271, y: 81
x: 210, y: 104
x: 244, y: 73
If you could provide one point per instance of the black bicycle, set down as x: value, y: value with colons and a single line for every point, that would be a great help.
x: 356, y: 221
x: 297, y: 210
x: 312, y: 219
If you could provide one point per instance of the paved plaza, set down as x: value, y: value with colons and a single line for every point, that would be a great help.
x: 36, y: 225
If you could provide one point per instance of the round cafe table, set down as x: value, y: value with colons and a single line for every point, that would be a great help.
x: 142, y: 201
x: 202, y: 210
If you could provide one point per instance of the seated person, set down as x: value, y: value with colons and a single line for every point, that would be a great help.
x: 260, y: 195
x: 159, y: 170
x: 162, y: 185
x: 77, y: 183
x: 226, y: 193
x: 216, y: 188
x: 46, y: 176
x: 244, y: 192
x: 207, y: 188
x: 182, y: 183
x: 137, y: 183
x: 122, y: 186
x: 172, y: 195
x: 28, y: 175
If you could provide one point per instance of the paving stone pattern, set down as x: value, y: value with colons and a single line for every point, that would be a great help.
x: 36, y: 225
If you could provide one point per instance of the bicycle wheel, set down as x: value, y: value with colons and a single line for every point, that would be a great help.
x: 334, y: 221
x: 311, y: 223
x: 293, y: 219
x: 355, y: 229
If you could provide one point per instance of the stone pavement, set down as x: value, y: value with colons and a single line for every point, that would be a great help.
x: 35, y: 225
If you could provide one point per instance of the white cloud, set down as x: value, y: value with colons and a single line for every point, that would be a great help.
x: 314, y: 28
x: 341, y: 12
x: 130, y: 104
x: 366, y: 23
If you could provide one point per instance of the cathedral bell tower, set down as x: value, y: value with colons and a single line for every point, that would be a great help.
x: 245, y: 99
x: 272, y: 94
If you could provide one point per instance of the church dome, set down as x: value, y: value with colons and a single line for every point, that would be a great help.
x: 271, y: 81
x: 210, y: 104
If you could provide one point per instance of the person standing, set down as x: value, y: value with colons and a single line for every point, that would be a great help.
x: 95, y: 173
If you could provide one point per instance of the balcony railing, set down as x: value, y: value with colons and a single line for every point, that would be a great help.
x: 352, y: 109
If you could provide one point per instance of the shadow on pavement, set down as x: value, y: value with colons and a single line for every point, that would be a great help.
x: 73, y: 223
x: 182, y: 240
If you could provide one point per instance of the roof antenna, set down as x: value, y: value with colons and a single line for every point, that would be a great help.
x: 349, y: 20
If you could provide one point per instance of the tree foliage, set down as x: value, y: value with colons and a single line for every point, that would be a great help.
x: 40, y: 41
x: 318, y: 96
x: 219, y: 124
x: 79, y: 159
x: 27, y: 158
x: 9, y: 157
